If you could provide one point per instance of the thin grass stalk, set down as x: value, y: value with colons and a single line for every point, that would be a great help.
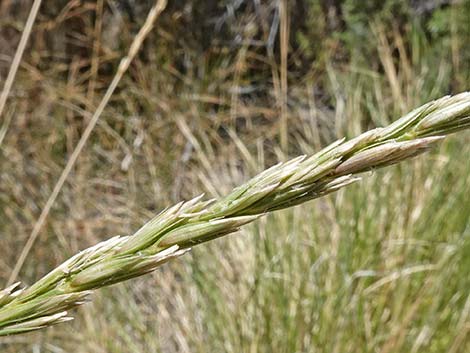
x: 15, y: 64
x: 154, y: 12
x: 176, y: 229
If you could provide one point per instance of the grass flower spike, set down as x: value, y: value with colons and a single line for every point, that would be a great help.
x: 175, y: 230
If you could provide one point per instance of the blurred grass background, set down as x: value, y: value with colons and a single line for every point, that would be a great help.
x: 220, y: 91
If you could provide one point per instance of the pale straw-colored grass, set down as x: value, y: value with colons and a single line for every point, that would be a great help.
x: 171, y: 233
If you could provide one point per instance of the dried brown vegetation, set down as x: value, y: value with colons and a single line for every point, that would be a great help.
x: 198, y: 111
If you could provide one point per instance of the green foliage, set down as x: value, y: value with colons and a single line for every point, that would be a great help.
x: 379, y: 267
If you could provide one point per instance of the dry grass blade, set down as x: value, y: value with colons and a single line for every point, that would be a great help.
x: 123, y: 66
x: 17, y: 59
x: 171, y: 233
